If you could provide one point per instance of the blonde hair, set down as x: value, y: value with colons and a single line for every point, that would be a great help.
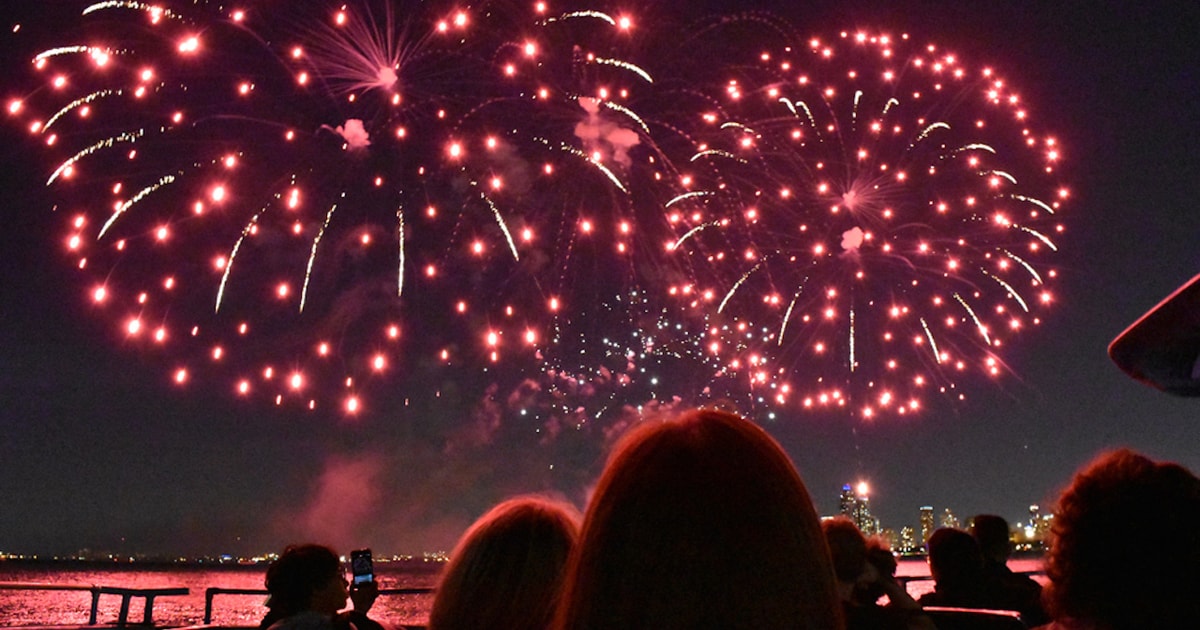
x: 507, y: 570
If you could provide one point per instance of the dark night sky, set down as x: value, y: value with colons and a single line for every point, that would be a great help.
x: 99, y: 452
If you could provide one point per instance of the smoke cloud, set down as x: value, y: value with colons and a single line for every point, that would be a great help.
x: 604, y: 137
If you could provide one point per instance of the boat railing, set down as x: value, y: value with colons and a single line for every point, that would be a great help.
x: 211, y: 593
x: 126, y: 594
x: 906, y: 579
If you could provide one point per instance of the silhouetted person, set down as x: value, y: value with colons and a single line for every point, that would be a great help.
x: 1012, y: 591
x: 956, y: 565
x: 507, y: 571
x: 307, y: 588
x: 1124, y: 552
x: 700, y: 522
x: 865, y: 572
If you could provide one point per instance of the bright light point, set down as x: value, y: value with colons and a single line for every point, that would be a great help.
x: 378, y: 363
x: 282, y: 290
x: 352, y: 405
x: 296, y: 380
x: 181, y: 376
x: 134, y: 326
x: 243, y: 387
x: 189, y: 45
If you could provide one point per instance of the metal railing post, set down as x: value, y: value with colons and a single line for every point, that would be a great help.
x: 209, y: 594
x: 95, y: 605
x: 123, y: 616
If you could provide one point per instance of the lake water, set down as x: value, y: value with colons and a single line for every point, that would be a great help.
x: 65, y: 607
x: 57, y: 607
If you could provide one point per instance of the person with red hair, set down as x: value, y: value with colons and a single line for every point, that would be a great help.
x: 1123, y: 552
x: 508, y: 569
x: 700, y: 521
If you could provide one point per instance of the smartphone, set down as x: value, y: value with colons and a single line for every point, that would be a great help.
x: 361, y: 566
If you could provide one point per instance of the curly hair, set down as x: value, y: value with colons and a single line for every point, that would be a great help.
x: 300, y: 571
x: 1123, y: 549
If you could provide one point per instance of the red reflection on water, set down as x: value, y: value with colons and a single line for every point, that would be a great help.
x: 18, y: 608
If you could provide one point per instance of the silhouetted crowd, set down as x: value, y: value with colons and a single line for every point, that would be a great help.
x: 702, y: 521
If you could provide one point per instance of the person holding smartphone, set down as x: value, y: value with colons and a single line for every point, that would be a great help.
x: 363, y: 592
x: 308, y: 586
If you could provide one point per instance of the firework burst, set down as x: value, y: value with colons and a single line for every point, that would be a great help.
x: 877, y: 219
x: 295, y: 194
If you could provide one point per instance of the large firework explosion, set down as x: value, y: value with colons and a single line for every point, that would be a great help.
x: 312, y: 202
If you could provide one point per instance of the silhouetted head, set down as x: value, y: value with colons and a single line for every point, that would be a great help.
x: 508, y: 569
x: 991, y: 532
x: 847, y: 548
x: 305, y: 578
x: 700, y: 522
x: 1123, y: 547
x: 954, y: 558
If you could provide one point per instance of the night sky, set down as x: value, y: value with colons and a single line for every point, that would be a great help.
x: 100, y: 451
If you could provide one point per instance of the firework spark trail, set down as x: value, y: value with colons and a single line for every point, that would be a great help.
x: 312, y: 257
x: 107, y: 143
x: 237, y: 246
x: 124, y: 207
x: 853, y: 190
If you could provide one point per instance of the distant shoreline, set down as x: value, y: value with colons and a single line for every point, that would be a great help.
x: 200, y: 563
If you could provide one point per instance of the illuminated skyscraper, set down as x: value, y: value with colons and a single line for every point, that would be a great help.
x: 908, y: 540
x: 847, y: 502
x: 855, y: 504
x: 927, y: 525
x: 949, y: 519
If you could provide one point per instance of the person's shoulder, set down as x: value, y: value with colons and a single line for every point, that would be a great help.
x: 875, y: 618
x: 1064, y: 625
x: 353, y: 620
x: 308, y: 620
x: 931, y: 598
